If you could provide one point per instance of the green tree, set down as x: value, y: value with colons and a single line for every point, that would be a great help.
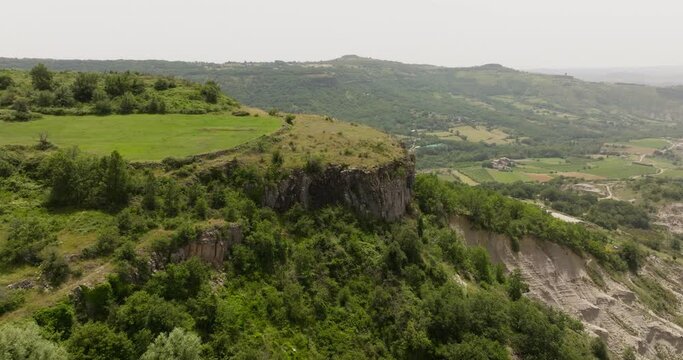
x: 6, y: 81
x: 178, y: 345
x: 57, y: 320
x: 474, y: 348
x: 107, y: 241
x: 97, y: 341
x: 41, y: 77
x: 631, y: 254
x: 289, y: 119
x: 201, y: 207
x: 24, y: 342
x: 116, y: 180
x: 64, y: 97
x: 211, y: 92
x: 155, y: 105
x: 482, y: 264
x: 516, y: 286
x: 117, y: 84
x: 171, y: 199
x: 27, y: 236
x: 149, y: 194
x: 101, y: 102
x: 179, y: 281
x: 54, y: 269
x: 128, y: 103
x: 145, y: 316
x: 44, y: 98
x: 162, y: 84
x: 94, y: 303
x: 84, y: 86
x: 599, y: 349
x: 535, y: 336
x: 22, y: 109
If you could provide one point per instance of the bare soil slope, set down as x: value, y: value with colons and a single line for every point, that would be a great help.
x: 562, y: 279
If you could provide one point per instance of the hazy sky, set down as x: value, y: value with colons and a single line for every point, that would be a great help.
x: 517, y: 33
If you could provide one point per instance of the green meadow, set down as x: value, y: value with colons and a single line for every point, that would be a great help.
x: 543, y: 169
x: 142, y: 137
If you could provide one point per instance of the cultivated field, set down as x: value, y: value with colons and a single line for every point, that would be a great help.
x: 473, y: 134
x: 142, y: 137
x: 543, y: 169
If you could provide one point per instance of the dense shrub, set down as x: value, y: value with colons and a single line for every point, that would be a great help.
x: 177, y: 345
x: 41, y: 77
x: 10, y: 300
x: 164, y: 84
x: 128, y: 104
x: 84, y: 86
x: 612, y: 213
x: 210, y: 92
x: 5, y: 82
x: 155, y: 105
x: 54, y: 269
x: 179, y: 281
x: 57, y: 320
x: 63, y: 97
x: 24, y: 341
x: 81, y: 180
x: 97, y: 341
x: 44, y: 98
x: 27, y: 236
x: 107, y: 241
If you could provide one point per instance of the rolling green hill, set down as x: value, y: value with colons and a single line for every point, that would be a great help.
x: 401, y: 97
x: 515, y: 114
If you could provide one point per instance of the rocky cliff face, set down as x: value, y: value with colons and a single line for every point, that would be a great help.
x: 212, y: 245
x: 560, y: 278
x: 383, y: 193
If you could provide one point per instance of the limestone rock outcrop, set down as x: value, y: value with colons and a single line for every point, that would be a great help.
x: 381, y: 193
x: 212, y: 245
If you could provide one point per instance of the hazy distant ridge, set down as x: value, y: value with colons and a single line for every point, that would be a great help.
x: 654, y: 75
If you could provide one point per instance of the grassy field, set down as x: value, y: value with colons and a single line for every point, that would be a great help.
x: 327, y: 140
x: 142, y: 137
x: 473, y: 134
x: 544, y: 169
x: 652, y: 143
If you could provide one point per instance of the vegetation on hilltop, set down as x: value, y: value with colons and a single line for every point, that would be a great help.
x: 25, y: 95
x: 313, y: 142
x: 310, y: 284
x: 400, y: 97
x: 542, y: 115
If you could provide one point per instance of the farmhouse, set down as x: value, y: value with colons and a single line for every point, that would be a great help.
x: 503, y: 164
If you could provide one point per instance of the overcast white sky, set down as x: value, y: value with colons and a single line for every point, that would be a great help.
x: 516, y: 33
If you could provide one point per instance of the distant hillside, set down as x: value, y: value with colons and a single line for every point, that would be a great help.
x: 544, y: 109
x: 653, y: 75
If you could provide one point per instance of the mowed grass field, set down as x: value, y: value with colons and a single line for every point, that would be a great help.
x: 142, y: 137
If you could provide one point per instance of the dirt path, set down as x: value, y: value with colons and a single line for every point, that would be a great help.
x: 608, y: 188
